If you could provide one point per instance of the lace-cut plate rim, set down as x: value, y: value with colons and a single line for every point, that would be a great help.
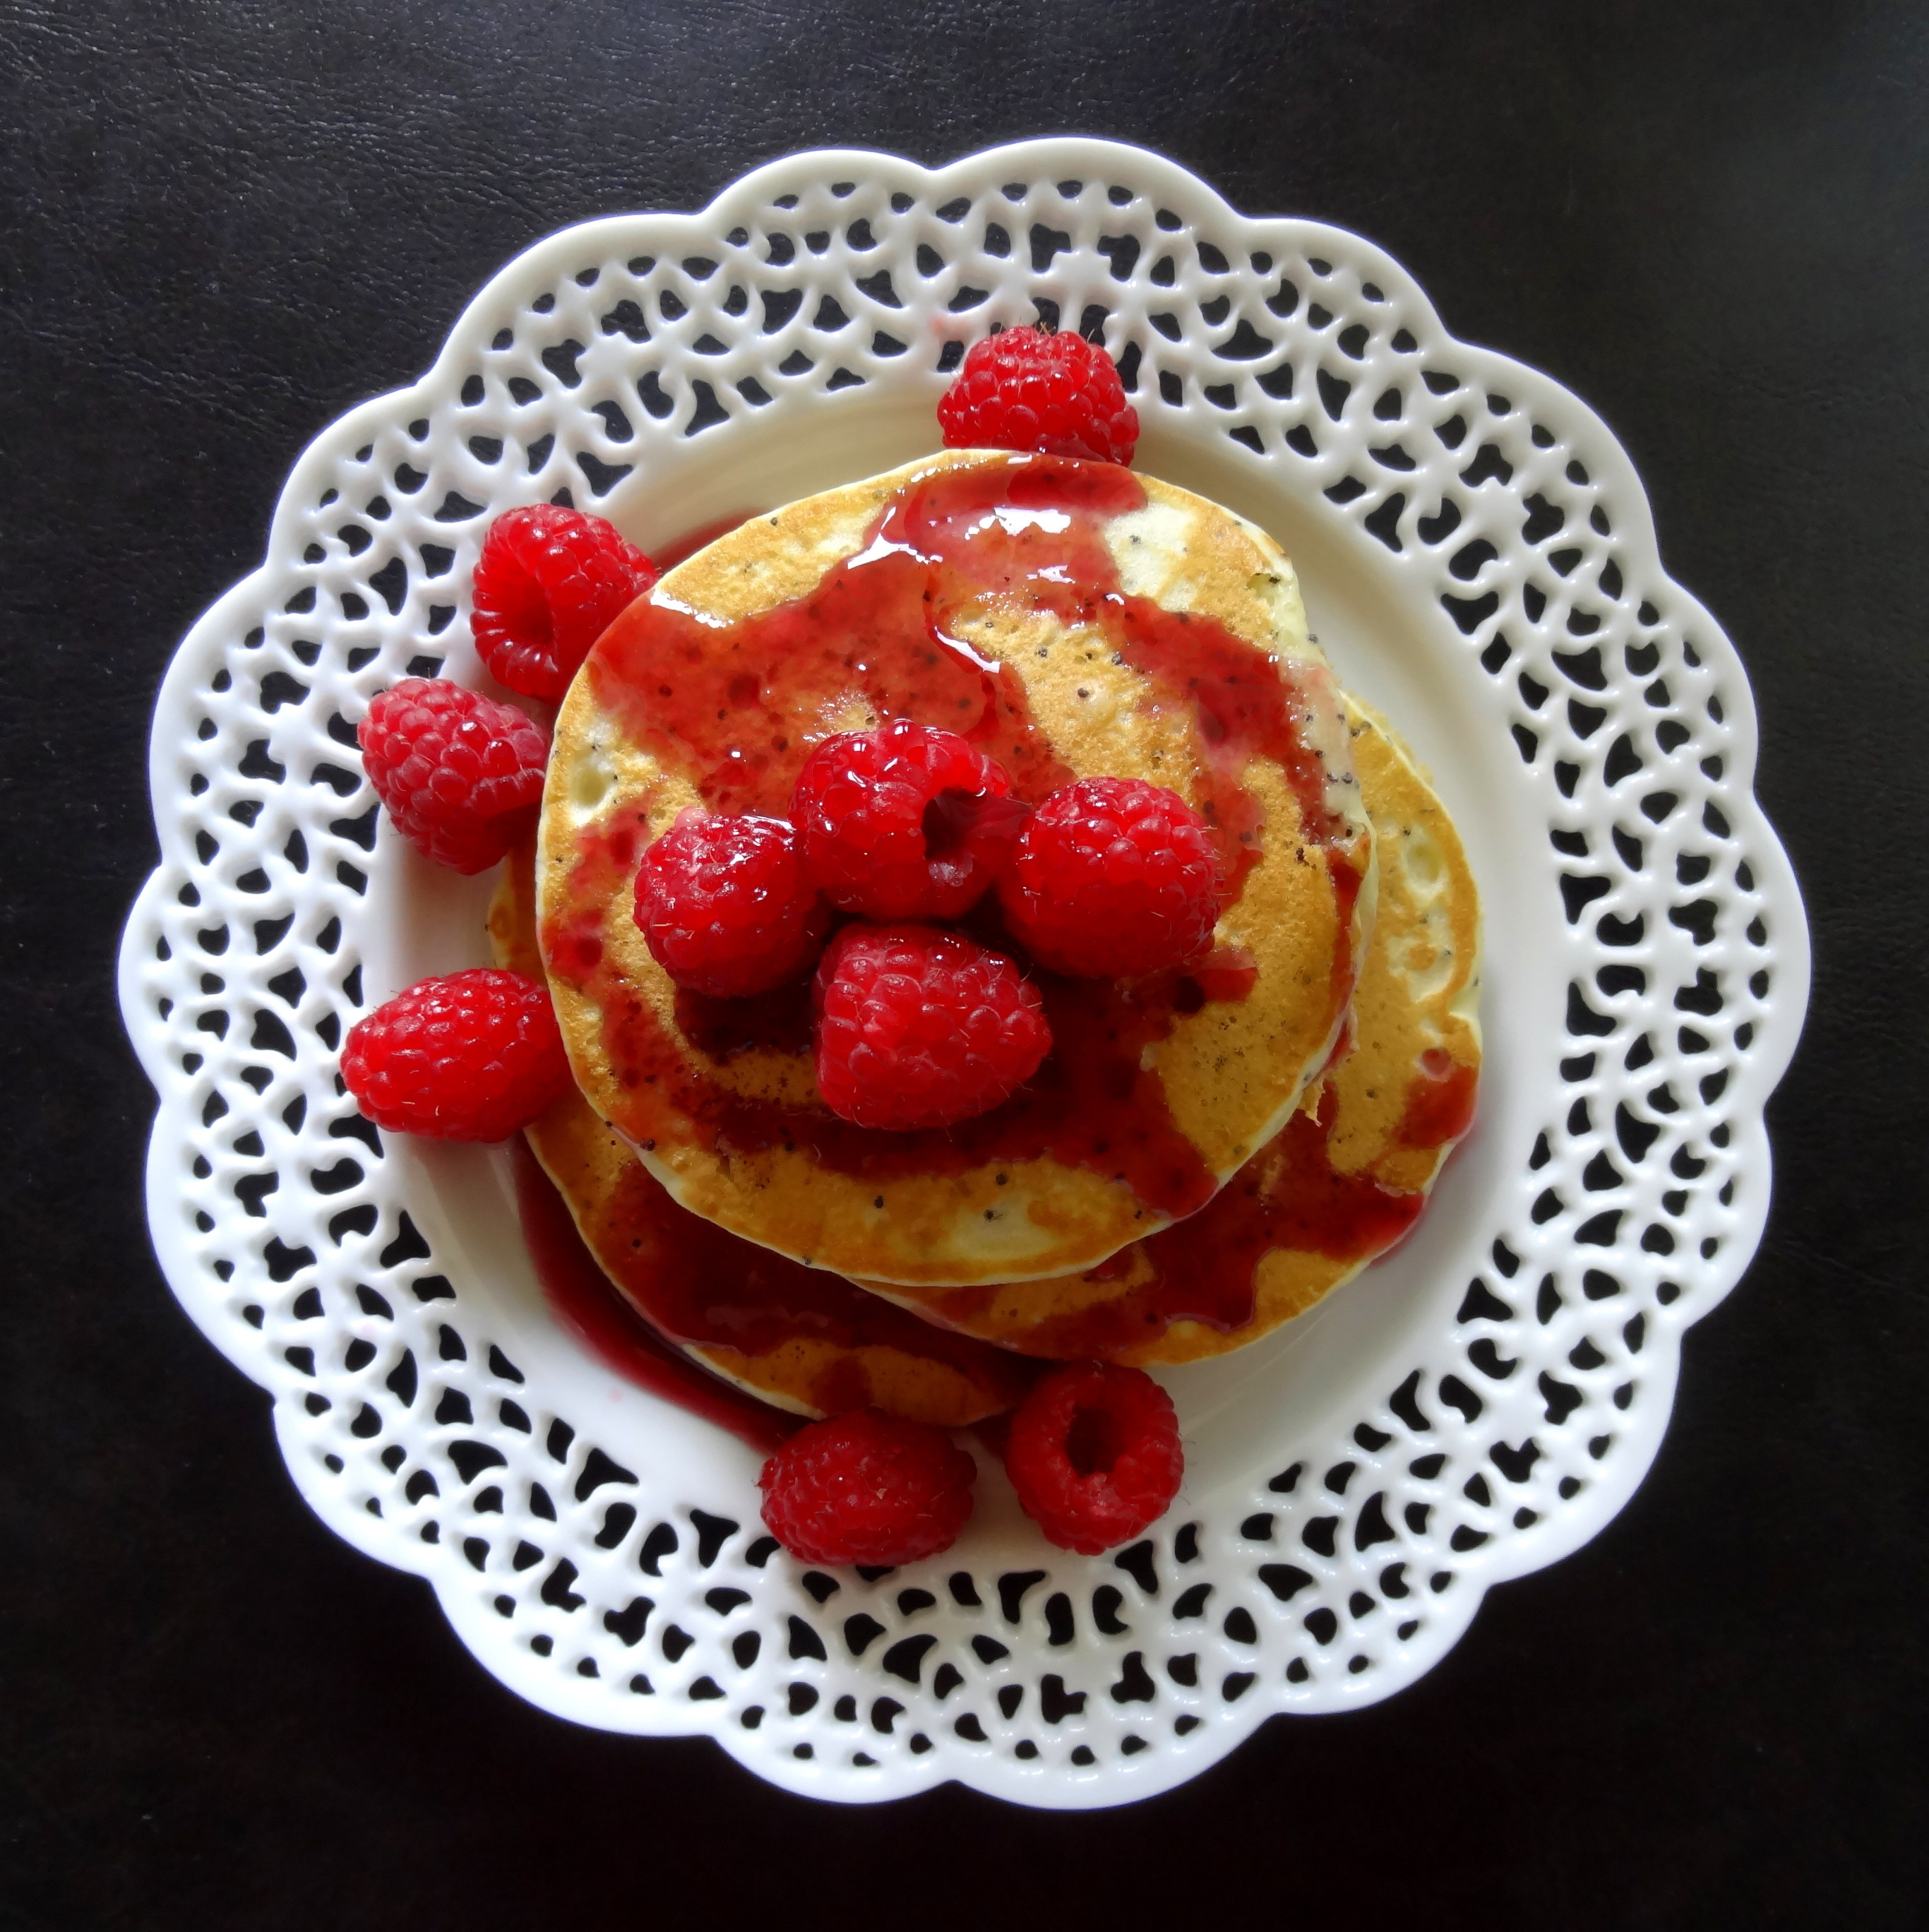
x: 1478, y: 558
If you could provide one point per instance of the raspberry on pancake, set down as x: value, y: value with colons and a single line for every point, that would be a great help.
x: 725, y: 907
x: 1111, y: 877
x: 905, y: 822
x: 802, y: 1340
x: 921, y: 1028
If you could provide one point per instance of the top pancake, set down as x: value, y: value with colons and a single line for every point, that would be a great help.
x: 1072, y: 620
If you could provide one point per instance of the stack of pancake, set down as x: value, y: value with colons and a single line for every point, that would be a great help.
x: 1207, y: 1152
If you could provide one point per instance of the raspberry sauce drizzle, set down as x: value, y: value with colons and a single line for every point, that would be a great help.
x: 1289, y: 1196
x: 687, y: 1281
x: 739, y: 706
x: 1092, y: 1104
x: 584, y: 1300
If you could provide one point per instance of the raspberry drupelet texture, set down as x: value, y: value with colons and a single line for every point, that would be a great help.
x: 547, y: 583
x: 724, y: 906
x: 470, y: 1057
x: 867, y: 1488
x: 1024, y: 388
x: 920, y: 1028
x: 1094, y: 1453
x: 1113, y: 876
x: 905, y: 822
x: 460, y: 774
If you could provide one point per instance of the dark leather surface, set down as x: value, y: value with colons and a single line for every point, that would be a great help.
x: 222, y: 223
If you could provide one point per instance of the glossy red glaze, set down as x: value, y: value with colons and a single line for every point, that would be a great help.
x: 583, y: 1298
x: 1346, y: 884
x: 1227, y: 973
x: 778, y: 1022
x: 687, y: 1281
x: 1290, y: 1196
x: 1440, y: 1104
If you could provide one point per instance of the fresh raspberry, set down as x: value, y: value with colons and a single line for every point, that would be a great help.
x: 725, y: 906
x: 919, y: 1028
x: 471, y: 1057
x: 867, y: 1488
x: 908, y: 822
x: 548, y: 584
x: 1024, y: 388
x: 460, y: 774
x: 1113, y: 876
x: 1093, y: 1452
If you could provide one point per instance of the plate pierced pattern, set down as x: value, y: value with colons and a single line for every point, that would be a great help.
x: 641, y: 366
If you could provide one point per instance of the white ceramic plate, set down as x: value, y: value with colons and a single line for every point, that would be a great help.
x: 1478, y: 558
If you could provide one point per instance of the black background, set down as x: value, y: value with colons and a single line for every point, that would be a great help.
x: 223, y: 223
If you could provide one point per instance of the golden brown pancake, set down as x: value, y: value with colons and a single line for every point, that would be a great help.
x: 802, y: 1339
x: 1072, y: 619
x: 1349, y: 1173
